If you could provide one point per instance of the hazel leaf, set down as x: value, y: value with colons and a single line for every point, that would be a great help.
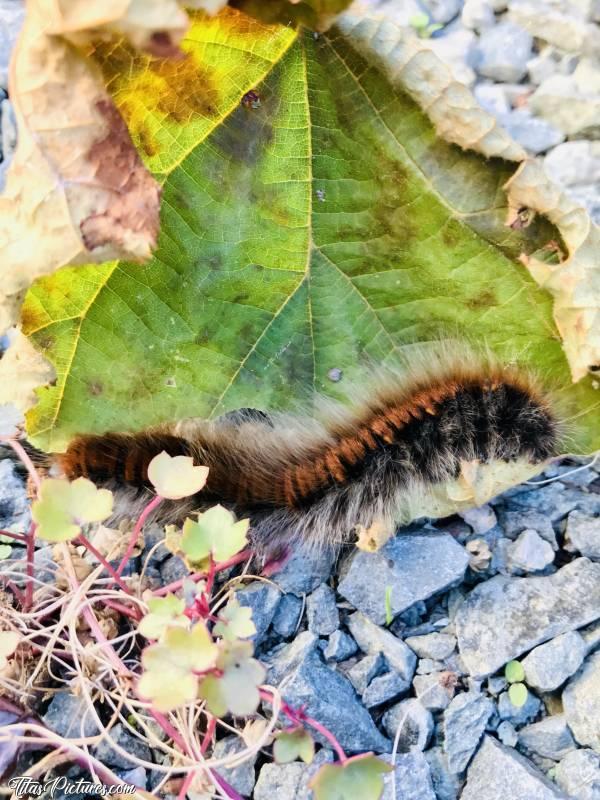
x: 175, y: 477
x: 293, y: 744
x: 361, y: 776
x: 88, y: 503
x: 235, y: 690
x: 214, y: 532
x: 235, y: 622
x: 169, y: 666
x: 514, y: 672
x: 8, y: 644
x: 163, y: 612
x: 62, y: 508
x: 517, y: 694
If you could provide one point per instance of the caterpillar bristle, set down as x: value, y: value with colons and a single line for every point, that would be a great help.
x: 301, y: 479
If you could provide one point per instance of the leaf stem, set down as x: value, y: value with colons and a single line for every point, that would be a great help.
x: 238, y: 558
x: 30, y: 537
x: 30, y: 564
x: 83, y: 540
x: 16, y: 591
x: 299, y: 716
x: 328, y: 735
x: 154, y: 503
x: 25, y: 460
x: 210, y: 730
x: 187, y: 782
x: 132, y: 613
x: 20, y: 537
x: 224, y: 786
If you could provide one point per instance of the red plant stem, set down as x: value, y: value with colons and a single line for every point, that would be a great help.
x: 154, y: 503
x: 81, y: 539
x: 17, y: 592
x: 169, y: 729
x: 30, y: 562
x: 329, y: 736
x: 133, y: 613
x: 187, y: 782
x: 20, y: 537
x: 210, y: 578
x: 298, y: 717
x: 229, y: 790
x: 238, y: 558
x: 26, y: 461
x: 210, y: 732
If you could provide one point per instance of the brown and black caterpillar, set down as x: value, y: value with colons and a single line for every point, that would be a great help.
x: 301, y: 479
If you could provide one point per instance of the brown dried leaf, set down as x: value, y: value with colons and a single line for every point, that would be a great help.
x: 573, y: 282
x: 77, y: 191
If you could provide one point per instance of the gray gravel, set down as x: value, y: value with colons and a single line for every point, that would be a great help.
x: 498, y: 773
x: 414, y: 566
x: 495, y: 624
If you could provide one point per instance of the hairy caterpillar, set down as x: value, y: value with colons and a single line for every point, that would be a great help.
x: 302, y: 479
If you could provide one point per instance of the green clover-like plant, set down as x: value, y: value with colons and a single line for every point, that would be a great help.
x: 169, y: 678
x: 514, y: 672
x: 63, y: 508
x: 292, y: 744
x: 5, y: 551
x: 175, y: 477
x: 517, y: 694
x: 164, y: 612
x: 8, y: 644
x: 235, y: 688
x: 215, y: 532
x: 423, y: 26
x: 360, y: 776
x: 235, y: 622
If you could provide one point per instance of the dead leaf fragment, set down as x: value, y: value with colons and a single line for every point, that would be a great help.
x: 573, y: 282
x: 77, y: 191
x: 412, y: 66
x: 375, y: 536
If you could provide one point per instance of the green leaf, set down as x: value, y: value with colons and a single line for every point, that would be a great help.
x: 517, y: 694
x: 236, y: 689
x: 419, y: 21
x: 389, y: 617
x: 293, y: 744
x: 514, y: 672
x: 175, y: 477
x: 63, y: 507
x: 5, y: 551
x: 326, y: 226
x: 163, y: 612
x: 317, y: 14
x: 361, y: 776
x: 215, y: 532
x: 169, y: 666
x: 235, y: 622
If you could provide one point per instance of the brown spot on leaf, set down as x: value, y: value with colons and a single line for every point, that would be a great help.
x: 188, y: 89
x: 162, y: 46
x: 147, y: 142
x: 95, y: 388
x: 484, y: 299
x: 133, y: 194
x: 32, y: 318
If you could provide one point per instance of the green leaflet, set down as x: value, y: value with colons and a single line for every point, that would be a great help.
x: 324, y: 227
